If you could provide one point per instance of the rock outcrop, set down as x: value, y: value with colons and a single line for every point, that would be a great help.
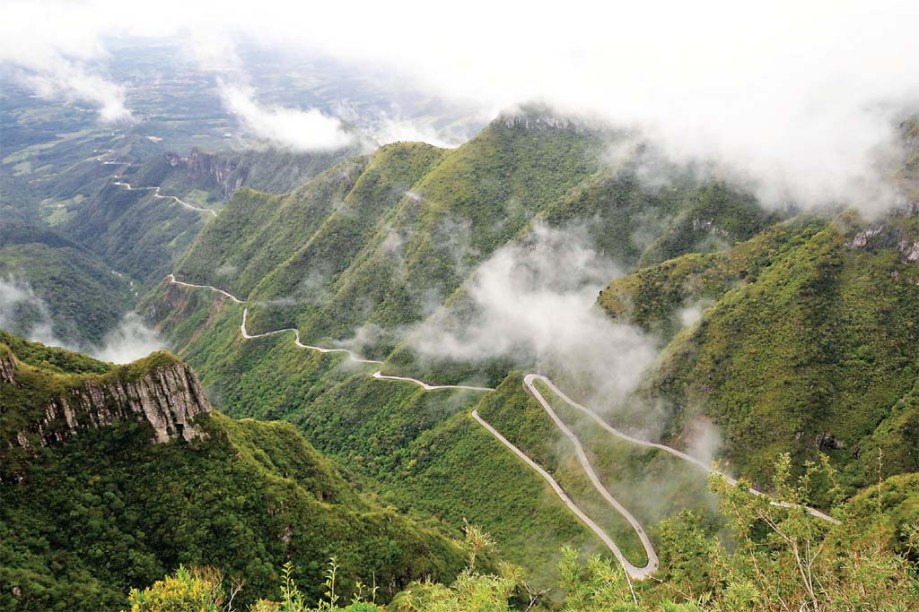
x: 7, y: 367
x: 168, y: 397
x: 223, y: 175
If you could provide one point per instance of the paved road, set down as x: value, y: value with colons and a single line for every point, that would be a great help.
x: 352, y: 355
x: 156, y: 194
x: 172, y: 279
x: 634, y: 572
x: 380, y: 376
x: 528, y: 383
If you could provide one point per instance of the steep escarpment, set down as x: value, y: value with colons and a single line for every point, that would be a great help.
x: 803, y: 339
x: 118, y: 495
x: 49, y: 408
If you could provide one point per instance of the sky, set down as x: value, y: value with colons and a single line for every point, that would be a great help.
x: 798, y: 100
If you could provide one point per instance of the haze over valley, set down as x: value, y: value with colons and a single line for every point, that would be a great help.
x: 369, y: 308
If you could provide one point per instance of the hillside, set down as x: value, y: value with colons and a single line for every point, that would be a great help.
x: 92, y: 505
x: 61, y: 285
x: 807, y: 343
x: 404, y: 443
x: 380, y: 243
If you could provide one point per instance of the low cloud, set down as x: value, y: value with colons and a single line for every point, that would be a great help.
x: 71, y: 81
x: 299, y: 130
x: 52, y: 57
x: 25, y: 314
x: 131, y: 340
x: 798, y: 102
x: 534, y: 303
x: 413, y: 130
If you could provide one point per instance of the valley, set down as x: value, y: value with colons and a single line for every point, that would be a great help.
x: 283, y: 329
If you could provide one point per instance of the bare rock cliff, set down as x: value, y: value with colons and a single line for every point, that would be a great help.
x: 7, y: 367
x: 167, y: 397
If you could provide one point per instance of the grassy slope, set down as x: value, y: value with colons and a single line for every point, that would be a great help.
x: 256, y: 232
x: 808, y: 345
x: 316, y: 268
x: 84, y: 298
x: 413, y: 247
x: 381, y: 241
x: 522, y: 420
x: 134, y: 231
x: 477, y: 199
x: 419, y: 450
x: 108, y: 510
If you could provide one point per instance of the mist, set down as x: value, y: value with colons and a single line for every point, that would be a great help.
x: 24, y: 313
x: 298, y: 130
x: 131, y: 340
x: 796, y: 102
x: 533, y: 303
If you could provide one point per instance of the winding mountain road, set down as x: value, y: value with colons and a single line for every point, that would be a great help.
x: 352, y: 355
x: 172, y: 279
x: 528, y: 383
x: 380, y: 376
x: 156, y: 194
x: 633, y: 571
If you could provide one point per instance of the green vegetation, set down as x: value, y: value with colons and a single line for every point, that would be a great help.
x: 51, y: 359
x: 402, y: 442
x: 135, y: 231
x: 107, y: 510
x: 523, y: 421
x: 84, y: 298
x: 375, y: 243
x: 653, y: 484
x: 808, y: 345
x: 779, y: 559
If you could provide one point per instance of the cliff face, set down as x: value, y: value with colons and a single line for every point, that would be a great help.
x: 167, y: 397
x: 6, y: 368
x: 222, y: 174
x: 210, y: 171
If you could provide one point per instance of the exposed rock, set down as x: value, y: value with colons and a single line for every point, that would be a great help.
x: 860, y: 241
x: 173, y: 159
x: 7, y: 368
x: 909, y: 250
x: 539, y: 119
x: 168, y: 398
x: 829, y: 442
x: 211, y: 171
x: 223, y: 174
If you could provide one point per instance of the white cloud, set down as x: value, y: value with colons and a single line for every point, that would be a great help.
x: 300, y: 130
x: 534, y: 302
x: 54, y: 57
x: 796, y: 99
x: 411, y: 130
x: 22, y: 312
x: 71, y: 81
x: 130, y: 341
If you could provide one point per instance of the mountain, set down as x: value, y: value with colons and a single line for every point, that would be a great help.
x: 777, y: 333
x: 382, y: 241
x: 806, y: 341
x: 385, y: 239
x: 114, y: 475
x: 146, y: 215
x: 53, y: 282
